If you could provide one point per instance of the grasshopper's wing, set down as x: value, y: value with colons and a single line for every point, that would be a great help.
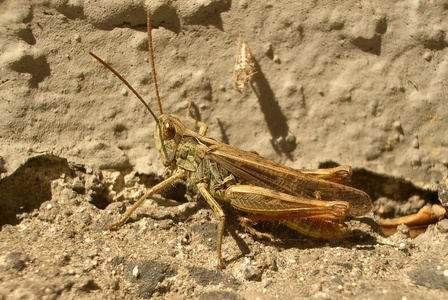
x: 316, y: 218
x: 266, y: 173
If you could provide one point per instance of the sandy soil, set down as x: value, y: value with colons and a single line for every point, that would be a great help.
x: 338, y: 83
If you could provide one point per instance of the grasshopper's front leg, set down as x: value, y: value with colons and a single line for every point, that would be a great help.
x: 157, y: 188
x: 222, y: 219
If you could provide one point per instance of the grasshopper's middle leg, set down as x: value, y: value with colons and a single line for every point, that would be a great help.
x: 222, y: 219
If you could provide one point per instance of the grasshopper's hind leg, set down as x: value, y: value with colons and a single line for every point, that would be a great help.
x: 312, y: 217
x: 202, y: 126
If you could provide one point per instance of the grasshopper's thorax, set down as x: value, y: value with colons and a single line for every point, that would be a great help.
x: 168, y: 134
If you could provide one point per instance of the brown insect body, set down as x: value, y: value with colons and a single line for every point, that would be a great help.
x: 312, y: 202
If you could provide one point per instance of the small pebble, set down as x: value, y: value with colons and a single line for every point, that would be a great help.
x: 135, y: 272
x: 415, y: 143
x: 397, y: 126
x: 277, y: 59
x: 442, y: 226
x: 253, y: 273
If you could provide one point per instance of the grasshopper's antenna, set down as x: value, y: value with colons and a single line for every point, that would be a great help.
x: 127, y: 84
x: 153, y: 67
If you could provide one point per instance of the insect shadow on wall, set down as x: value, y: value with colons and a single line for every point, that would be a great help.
x: 248, y: 71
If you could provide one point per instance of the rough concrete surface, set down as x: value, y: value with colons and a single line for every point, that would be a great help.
x: 360, y: 83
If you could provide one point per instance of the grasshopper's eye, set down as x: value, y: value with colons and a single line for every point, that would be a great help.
x: 168, y: 130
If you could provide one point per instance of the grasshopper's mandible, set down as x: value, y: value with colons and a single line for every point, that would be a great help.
x: 313, y: 202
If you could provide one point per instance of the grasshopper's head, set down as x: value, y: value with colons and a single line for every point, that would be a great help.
x: 168, y: 134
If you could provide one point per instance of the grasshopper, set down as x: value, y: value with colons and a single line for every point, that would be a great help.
x: 312, y: 202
